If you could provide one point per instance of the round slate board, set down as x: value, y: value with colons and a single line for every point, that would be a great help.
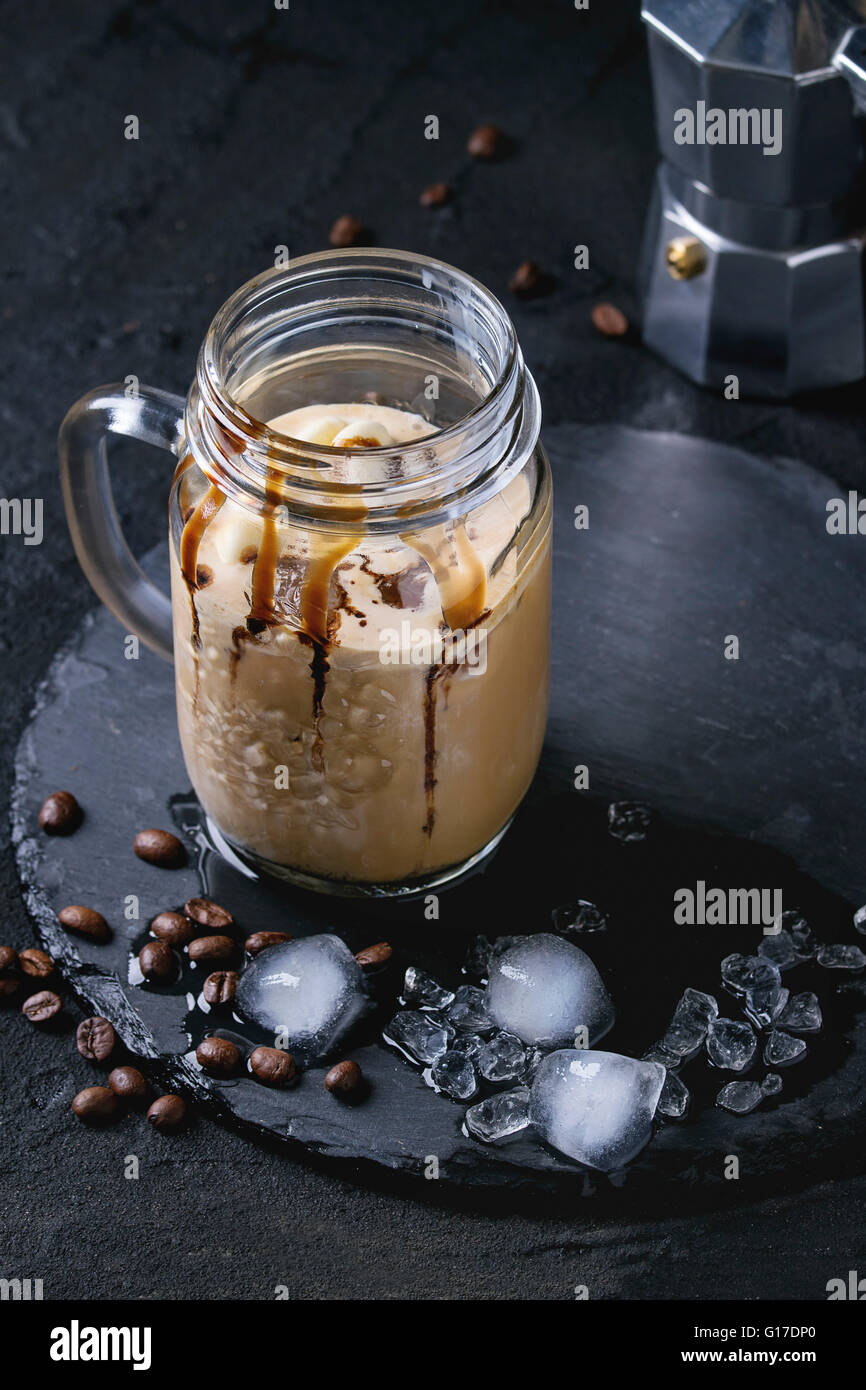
x: 753, y: 767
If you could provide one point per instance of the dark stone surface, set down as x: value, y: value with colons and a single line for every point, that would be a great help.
x: 666, y: 540
x: 258, y: 128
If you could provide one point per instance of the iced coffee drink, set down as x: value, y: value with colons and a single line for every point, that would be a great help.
x: 354, y: 706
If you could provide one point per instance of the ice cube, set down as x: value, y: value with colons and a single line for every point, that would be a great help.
x: 544, y: 989
x: 764, y: 1005
x: 500, y: 1115
x: 469, y: 1012
x: 860, y: 919
x: 802, y: 1014
x: 454, y: 1074
x: 740, y: 1097
x: 579, y: 918
x: 420, y: 989
x: 628, y: 820
x: 418, y: 1035
x: 310, y: 991
x: 503, y: 1058
x: 741, y: 973
x: 781, y: 1050
x: 674, y: 1099
x: 771, y: 1084
x: 731, y: 1045
x: 841, y: 957
x: 779, y: 948
x: 596, y: 1107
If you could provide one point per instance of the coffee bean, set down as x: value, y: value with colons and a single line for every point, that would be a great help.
x: 261, y: 940
x: 35, y: 963
x: 372, y: 956
x: 85, y: 922
x: 158, y: 963
x: 344, y: 1080
x: 348, y: 231
x: 39, y: 1008
x: 159, y: 847
x: 487, y: 142
x: 218, y: 1056
x: 10, y: 986
x: 609, y: 320
x: 95, y: 1039
x: 173, y: 928
x: 128, y: 1083
x: 437, y: 195
x: 8, y: 958
x: 272, y: 1066
x: 60, y: 814
x: 208, y: 914
x: 211, y: 950
x: 167, y: 1114
x: 95, y: 1104
x: 220, y: 987
x: 526, y: 279
x: 203, y: 576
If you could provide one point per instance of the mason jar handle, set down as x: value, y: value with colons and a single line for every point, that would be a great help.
x: 156, y: 417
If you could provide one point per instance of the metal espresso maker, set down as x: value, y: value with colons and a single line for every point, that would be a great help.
x: 753, y: 257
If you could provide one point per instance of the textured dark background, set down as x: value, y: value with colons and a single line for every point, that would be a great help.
x: 259, y: 127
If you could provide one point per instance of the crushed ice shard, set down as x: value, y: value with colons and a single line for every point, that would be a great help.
x: 731, y: 1045
x: 498, y: 1116
x: 596, y: 1107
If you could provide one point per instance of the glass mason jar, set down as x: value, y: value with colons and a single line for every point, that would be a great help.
x: 360, y: 631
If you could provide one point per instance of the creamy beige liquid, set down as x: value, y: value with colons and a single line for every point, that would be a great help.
x: 302, y: 743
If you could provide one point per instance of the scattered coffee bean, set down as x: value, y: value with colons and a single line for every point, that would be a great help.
x: 487, y: 142
x: 220, y: 987
x: 167, y: 1114
x: 344, y: 1080
x: 437, y: 195
x: 35, y: 963
x: 8, y: 958
x: 157, y: 961
x: 272, y: 1066
x: 159, y: 847
x: 60, y: 814
x: 249, y: 554
x: 348, y: 231
x: 526, y: 280
x: 609, y: 320
x: 371, y: 956
x: 95, y: 1104
x: 208, y: 950
x: 218, y: 1056
x: 85, y: 922
x: 95, y: 1039
x: 10, y: 986
x: 128, y: 1083
x: 208, y: 914
x: 261, y: 940
x: 172, y: 928
x: 42, y: 1006
x: 203, y: 576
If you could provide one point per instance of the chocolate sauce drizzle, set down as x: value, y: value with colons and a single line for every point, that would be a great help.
x: 319, y: 626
